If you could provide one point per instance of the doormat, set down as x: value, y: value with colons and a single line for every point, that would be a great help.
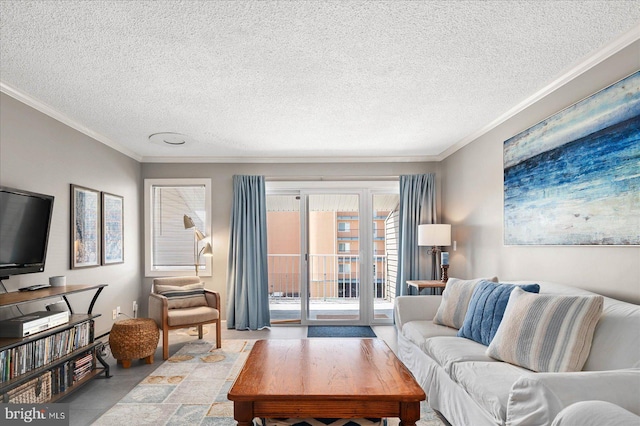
x: 340, y: 331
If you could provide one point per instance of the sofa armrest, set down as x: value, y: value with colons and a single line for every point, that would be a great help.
x: 595, y: 413
x: 537, y: 398
x: 157, y: 306
x: 415, y: 308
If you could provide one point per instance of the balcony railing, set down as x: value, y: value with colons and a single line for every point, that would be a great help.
x: 331, y: 277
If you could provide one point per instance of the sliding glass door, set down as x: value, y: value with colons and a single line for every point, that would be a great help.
x: 328, y: 255
x: 284, y: 260
x: 333, y: 263
x: 384, y: 236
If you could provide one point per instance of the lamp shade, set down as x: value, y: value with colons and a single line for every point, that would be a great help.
x: 188, y: 222
x: 199, y: 235
x: 207, y: 250
x: 434, y: 235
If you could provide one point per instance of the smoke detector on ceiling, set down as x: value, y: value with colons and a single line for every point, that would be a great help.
x: 170, y: 139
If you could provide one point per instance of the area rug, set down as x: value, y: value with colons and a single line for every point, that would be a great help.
x: 340, y: 331
x: 191, y: 387
x: 193, y: 331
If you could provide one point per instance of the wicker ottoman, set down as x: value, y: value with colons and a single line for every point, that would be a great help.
x: 134, y: 338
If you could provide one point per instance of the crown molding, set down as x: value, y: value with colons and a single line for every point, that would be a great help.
x: 565, y: 77
x: 57, y: 115
x: 592, y: 60
x: 280, y: 160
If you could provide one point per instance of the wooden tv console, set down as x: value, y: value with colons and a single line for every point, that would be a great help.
x: 42, y: 358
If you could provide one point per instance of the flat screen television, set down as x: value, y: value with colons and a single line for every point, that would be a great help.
x: 25, y: 219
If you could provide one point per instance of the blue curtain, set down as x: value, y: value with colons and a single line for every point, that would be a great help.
x: 247, y: 276
x: 417, y: 206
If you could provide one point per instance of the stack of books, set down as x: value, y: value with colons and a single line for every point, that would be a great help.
x: 82, y: 367
x: 60, y: 379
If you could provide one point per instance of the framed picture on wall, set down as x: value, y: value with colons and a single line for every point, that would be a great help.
x: 112, y: 229
x: 85, y: 227
x: 572, y: 179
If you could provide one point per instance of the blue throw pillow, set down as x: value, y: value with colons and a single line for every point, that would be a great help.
x: 486, y: 309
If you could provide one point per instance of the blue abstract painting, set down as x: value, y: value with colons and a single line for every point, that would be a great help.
x: 574, y: 178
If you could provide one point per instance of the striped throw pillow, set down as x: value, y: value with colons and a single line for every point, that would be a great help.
x: 455, y: 301
x: 549, y: 333
x: 182, y: 296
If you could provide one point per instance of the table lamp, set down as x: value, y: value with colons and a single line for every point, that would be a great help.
x: 435, y: 236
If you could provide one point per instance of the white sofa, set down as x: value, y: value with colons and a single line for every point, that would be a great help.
x: 469, y: 388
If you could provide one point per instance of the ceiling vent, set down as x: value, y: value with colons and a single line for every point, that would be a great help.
x: 170, y: 139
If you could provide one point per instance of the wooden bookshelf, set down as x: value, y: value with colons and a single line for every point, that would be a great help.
x: 92, y: 347
x: 18, y: 380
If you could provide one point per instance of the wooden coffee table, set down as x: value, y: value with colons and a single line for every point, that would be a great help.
x: 336, y: 378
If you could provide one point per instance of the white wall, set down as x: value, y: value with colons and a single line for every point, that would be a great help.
x: 472, y: 184
x: 40, y: 154
x: 221, y: 176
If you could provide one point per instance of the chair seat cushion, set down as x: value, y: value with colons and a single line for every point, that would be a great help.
x: 188, y: 316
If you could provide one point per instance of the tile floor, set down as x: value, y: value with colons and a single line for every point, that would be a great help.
x: 95, y: 398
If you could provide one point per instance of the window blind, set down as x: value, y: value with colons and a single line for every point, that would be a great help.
x: 172, y: 245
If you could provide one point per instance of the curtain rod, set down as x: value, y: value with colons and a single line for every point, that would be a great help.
x: 330, y: 178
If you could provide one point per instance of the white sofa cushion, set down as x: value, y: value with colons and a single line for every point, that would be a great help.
x: 447, y: 351
x: 619, y: 328
x: 419, y: 331
x: 488, y: 384
x: 443, y: 394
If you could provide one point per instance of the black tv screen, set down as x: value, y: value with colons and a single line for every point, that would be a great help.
x: 25, y: 218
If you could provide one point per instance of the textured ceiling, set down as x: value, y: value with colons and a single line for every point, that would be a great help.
x: 294, y: 80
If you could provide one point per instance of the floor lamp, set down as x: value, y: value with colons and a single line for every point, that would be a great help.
x: 435, y: 236
x: 198, y: 236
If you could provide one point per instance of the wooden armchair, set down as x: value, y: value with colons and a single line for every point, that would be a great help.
x: 183, y: 302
